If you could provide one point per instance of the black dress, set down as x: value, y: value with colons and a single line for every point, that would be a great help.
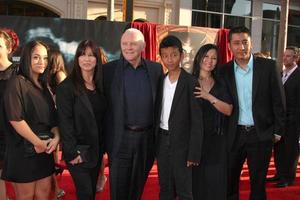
x: 5, y: 75
x: 209, y: 178
x: 24, y: 101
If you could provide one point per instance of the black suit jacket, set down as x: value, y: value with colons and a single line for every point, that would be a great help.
x: 77, y: 124
x: 114, y: 92
x: 185, y: 120
x: 292, y: 95
x: 268, y: 104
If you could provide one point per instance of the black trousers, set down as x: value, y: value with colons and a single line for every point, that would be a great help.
x: 85, y: 180
x: 286, y: 154
x: 129, y: 169
x: 258, y: 154
x: 175, y: 178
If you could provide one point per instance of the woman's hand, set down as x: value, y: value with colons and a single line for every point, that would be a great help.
x: 52, y: 145
x: 41, y: 146
x: 201, y: 93
x: 77, y: 160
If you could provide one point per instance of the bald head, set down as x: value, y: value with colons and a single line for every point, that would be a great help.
x: 132, y: 45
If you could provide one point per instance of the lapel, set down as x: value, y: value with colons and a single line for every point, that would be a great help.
x: 179, y: 89
x: 257, y: 71
x: 291, y: 77
x: 161, y: 94
x: 152, y: 78
x: 117, y: 92
x: 232, y: 82
x: 86, y: 102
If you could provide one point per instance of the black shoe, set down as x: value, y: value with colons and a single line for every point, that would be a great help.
x: 283, y: 184
x: 273, y: 179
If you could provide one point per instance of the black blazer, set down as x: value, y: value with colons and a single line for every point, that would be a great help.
x: 77, y: 124
x: 292, y: 96
x: 114, y: 92
x: 268, y: 104
x: 185, y: 120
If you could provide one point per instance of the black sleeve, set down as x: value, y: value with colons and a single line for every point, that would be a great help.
x: 14, y: 100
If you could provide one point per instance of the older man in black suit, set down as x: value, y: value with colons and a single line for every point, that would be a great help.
x: 258, y: 113
x: 130, y: 85
x: 286, y: 151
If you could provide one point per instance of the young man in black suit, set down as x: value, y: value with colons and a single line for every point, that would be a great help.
x: 258, y: 113
x: 179, y: 125
x: 130, y: 86
x: 286, y: 151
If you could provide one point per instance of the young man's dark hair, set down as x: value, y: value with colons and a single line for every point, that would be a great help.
x: 171, y: 41
x: 293, y: 48
x: 239, y: 29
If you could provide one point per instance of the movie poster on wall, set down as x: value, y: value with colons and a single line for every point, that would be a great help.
x: 66, y: 34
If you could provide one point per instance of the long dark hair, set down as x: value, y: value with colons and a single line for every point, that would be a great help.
x: 199, y: 58
x: 56, y: 64
x: 76, y: 74
x: 25, y: 62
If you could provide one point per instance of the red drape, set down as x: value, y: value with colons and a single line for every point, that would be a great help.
x: 149, y: 31
x: 222, y: 43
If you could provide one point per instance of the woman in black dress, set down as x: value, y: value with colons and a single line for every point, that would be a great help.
x: 81, y: 107
x: 32, y: 133
x: 209, y: 178
x: 8, y: 44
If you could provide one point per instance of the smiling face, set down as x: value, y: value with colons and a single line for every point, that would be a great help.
x: 240, y: 45
x: 132, y: 45
x: 209, y: 61
x: 39, y: 60
x: 87, y: 60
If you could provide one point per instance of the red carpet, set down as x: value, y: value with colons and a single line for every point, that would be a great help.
x: 151, y: 189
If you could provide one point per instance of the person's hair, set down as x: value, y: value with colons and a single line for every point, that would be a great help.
x: 259, y: 54
x: 103, y: 56
x: 293, y: 48
x: 171, y: 41
x: 76, y: 74
x: 25, y: 68
x: 10, y: 38
x: 238, y: 29
x: 199, y: 58
x: 101, y: 18
x: 56, y: 64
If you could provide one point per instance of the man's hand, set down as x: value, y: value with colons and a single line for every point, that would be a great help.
x: 191, y: 163
x: 77, y: 160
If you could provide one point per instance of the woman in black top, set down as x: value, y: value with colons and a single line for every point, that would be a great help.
x: 81, y: 108
x: 210, y: 175
x: 32, y: 135
x: 8, y: 44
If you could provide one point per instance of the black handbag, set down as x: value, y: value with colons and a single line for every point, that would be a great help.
x: 29, y: 150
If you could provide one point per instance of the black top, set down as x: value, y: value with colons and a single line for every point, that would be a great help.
x: 99, y: 109
x: 30, y: 103
x: 137, y: 96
